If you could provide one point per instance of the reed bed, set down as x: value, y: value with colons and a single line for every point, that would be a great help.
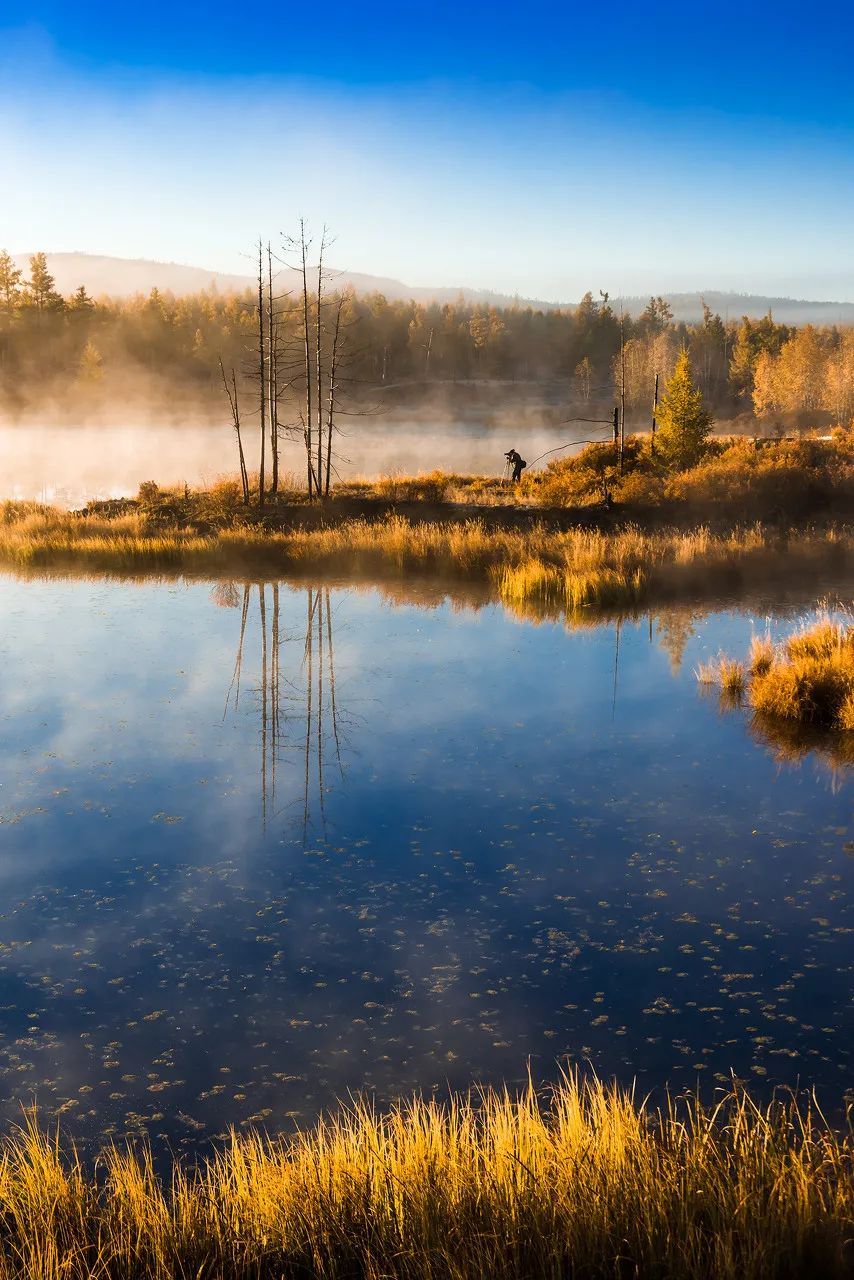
x: 535, y: 569
x: 806, y: 681
x: 577, y: 1181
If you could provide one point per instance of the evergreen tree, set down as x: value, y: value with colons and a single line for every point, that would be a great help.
x: 41, y: 287
x: 10, y: 277
x: 81, y: 300
x: 683, y: 423
x: 743, y: 362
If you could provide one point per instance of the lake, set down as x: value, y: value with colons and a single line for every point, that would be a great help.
x: 265, y: 844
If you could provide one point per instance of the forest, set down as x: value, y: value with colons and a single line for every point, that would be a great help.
x: 81, y: 351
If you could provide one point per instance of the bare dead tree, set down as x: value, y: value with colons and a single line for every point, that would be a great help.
x: 273, y: 379
x: 231, y: 392
x: 318, y: 364
x: 307, y: 420
x: 333, y: 369
x: 262, y: 373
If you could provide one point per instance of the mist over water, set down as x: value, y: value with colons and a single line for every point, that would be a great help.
x: 69, y: 464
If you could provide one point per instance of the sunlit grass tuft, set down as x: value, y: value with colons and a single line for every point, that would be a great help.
x: 808, y: 681
x: 811, y: 680
x: 761, y: 655
x: 577, y: 1180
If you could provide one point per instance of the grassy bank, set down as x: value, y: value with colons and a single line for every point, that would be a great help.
x: 535, y: 568
x: 736, y: 479
x: 580, y: 1181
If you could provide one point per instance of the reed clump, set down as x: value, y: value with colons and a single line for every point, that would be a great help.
x: 811, y: 678
x: 578, y: 1180
x: 803, y: 686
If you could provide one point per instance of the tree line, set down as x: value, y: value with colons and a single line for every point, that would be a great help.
x: 50, y: 344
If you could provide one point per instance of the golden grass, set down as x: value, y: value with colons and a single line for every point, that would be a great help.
x: 801, y: 692
x: 761, y: 655
x: 811, y: 680
x: 534, y: 569
x: 578, y: 1181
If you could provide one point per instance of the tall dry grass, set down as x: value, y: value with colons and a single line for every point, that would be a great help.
x: 810, y: 679
x: 801, y: 692
x: 533, y: 569
x: 579, y: 1181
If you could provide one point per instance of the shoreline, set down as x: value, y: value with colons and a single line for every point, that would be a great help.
x: 552, y: 571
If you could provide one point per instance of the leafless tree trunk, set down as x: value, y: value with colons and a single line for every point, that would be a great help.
x: 262, y: 373
x: 231, y: 392
x: 318, y: 334
x: 330, y: 417
x: 273, y: 379
x: 307, y: 424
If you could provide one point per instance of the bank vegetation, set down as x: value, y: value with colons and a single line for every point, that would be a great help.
x: 576, y: 1181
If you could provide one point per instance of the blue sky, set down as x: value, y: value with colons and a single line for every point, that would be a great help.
x: 538, y: 148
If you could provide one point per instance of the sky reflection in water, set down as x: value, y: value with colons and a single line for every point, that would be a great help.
x: 235, y: 888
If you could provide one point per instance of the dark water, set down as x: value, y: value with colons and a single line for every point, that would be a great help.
x: 399, y: 846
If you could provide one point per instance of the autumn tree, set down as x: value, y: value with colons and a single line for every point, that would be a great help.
x: 10, y: 284
x: 90, y: 370
x: 40, y: 290
x: 683, y: 423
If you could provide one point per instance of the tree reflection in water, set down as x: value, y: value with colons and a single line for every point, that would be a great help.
x: 299, y: 717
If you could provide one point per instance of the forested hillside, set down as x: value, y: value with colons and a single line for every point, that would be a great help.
x: 81, y: 351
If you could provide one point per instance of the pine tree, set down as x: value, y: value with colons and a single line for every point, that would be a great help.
x: 743, y: 362
x: 10, y: 277
x: 81, y: 300
x: 41, y: 287
x: 683, y: 423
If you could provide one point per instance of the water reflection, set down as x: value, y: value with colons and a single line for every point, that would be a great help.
x: 216, y: 910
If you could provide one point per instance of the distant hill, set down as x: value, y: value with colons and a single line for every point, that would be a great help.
x: 689, y: 306
x: 123, y: 277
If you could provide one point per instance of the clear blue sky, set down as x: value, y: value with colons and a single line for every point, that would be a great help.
x: 539, y: 148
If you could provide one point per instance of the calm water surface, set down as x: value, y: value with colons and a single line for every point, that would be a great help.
x: 264, y: 845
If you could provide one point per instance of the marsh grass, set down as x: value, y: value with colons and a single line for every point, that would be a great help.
x: 801, y: 693
x: 534, y: 570
x: 578, y: 1180
x: 810, y: 680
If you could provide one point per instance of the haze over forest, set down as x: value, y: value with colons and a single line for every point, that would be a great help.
x: 124, y: 277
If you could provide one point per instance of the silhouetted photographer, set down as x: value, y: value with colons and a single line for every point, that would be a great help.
x: 517, y: 463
